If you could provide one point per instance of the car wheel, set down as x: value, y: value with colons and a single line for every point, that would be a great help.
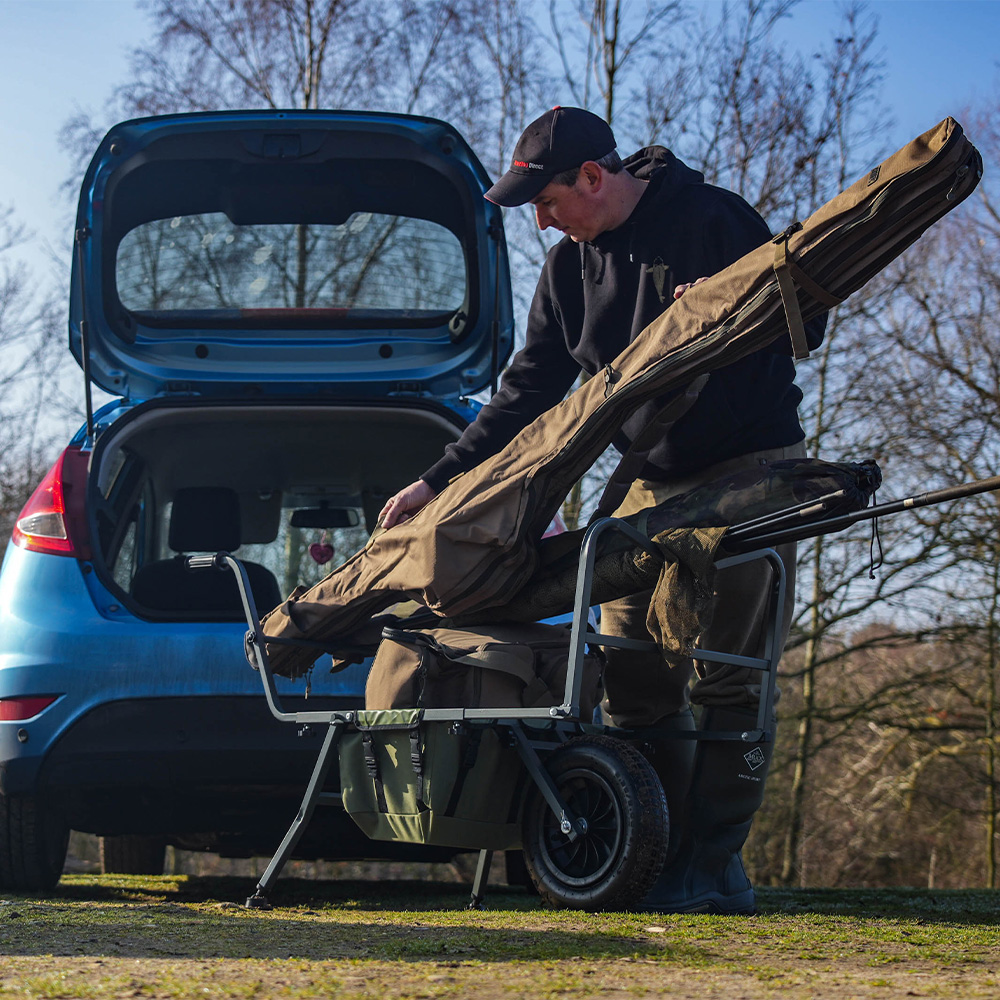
x: 33, y: 842
x: 131, y: 854
x: 517, y: 871
x: 614, y: 864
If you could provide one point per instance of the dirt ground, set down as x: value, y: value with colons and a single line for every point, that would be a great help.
x: 183, y: 936
x: 485, y: 981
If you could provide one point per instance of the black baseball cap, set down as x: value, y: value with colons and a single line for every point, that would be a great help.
x: 560, y: 140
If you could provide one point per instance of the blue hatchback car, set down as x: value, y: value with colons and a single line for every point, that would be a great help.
x: 291, y: 308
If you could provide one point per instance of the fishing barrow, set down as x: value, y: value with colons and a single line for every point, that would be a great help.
x: 578, y: 798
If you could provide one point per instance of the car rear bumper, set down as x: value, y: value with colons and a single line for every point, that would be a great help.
x: 209, y: 773
x: 160, y: 744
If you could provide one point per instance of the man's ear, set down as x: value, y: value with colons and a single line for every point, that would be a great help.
x: 592, y: 176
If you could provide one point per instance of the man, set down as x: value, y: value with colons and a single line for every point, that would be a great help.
x: 637, y: 235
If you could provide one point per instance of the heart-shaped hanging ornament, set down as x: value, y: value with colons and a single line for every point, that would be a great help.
x: 322, y: 552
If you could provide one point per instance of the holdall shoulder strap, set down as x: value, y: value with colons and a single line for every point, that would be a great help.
x: 518, y: 658
x: 490, y: 655
x: 514, y: 658
x: 630, y: 464
x: 537, y: 693
x: 788, y: 274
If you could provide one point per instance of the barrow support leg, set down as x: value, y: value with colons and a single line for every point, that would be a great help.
x: 482, y: 877
x: 314, y: 794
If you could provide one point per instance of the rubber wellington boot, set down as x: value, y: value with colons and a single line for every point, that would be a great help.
x: 707, y: 874
x: 673, y: 761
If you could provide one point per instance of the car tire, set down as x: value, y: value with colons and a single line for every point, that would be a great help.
x: 132, y: 854
x: 33, y: 842
x: 614, y: 864
x: 517, y: 871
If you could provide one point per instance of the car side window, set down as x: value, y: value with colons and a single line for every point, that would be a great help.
x: 124, y: 566
x: 122, y: 518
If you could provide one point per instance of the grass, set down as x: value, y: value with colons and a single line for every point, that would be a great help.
x: 186, y: 936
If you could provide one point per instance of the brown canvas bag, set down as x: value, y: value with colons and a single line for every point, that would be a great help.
x: 503, y: 666
x: 474, y: 545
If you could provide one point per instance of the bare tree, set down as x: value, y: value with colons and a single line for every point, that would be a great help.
x: 25, y: 318
x: 604, y: 47
x: 29, y: 326
x: 416, y: 56
x: 254, y: 53
x: 782, y: 128
x: 945, y: 344
x: 786, y: 130
x: 924, y: 355
x: 896, y: 788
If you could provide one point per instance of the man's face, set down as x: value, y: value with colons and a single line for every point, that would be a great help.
x: 572, y: 210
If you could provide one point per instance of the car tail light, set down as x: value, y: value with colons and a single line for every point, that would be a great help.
x: 54, y: 520
x: 19, y: 709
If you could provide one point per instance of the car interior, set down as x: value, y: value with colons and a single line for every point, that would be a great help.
x: 292, y: 490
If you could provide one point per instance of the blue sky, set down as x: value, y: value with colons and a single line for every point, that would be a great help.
x: 57, y: 56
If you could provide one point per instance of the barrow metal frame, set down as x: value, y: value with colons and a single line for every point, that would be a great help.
x: 533, y: 731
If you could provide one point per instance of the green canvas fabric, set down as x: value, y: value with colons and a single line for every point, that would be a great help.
x: 485, y: 812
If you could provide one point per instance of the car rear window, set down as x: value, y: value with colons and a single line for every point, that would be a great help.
x: 370, y: 267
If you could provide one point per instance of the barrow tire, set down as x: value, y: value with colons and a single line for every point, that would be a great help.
x: 33, y: 843
x: 613, y: 866
x: 132, y: 854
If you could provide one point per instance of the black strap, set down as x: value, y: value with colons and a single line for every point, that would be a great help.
x: 417, y: 761
x: 518, y: 797
x: 630, y: 465
x: 467, y: 763
x: 331, y: 646
x: 371, y: 762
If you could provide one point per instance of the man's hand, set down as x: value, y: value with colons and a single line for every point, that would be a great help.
x: 681, y: 289
x: 405, y: 503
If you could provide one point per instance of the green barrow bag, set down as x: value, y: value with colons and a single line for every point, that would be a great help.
x: 437, y: 783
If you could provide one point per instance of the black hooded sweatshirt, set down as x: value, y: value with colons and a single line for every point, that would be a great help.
x: 592, y: 300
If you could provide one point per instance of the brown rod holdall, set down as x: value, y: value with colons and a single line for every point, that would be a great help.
x: 474, y: 546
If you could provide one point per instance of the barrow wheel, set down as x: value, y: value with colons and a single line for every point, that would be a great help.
x: 614, y: 864
x: 131, y: 854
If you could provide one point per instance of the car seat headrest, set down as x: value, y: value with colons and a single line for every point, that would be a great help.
x: 205, y: 519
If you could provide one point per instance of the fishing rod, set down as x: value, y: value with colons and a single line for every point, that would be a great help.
x: 746, y: 536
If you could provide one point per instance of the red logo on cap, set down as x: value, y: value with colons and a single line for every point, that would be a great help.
x: 519, y: 163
